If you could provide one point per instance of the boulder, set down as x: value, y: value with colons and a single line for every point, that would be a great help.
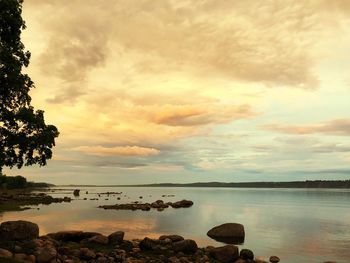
x: 231, y: 233
x: 148, y: 244
x: 173, y: 238
x: 24, y: 258
x: 186, y: 246
x: 182, y: 203
x: 5, y: 253
x: 98, y: 239
x: 74, y: 236
x: 87, y: 254
x: 46, y: 254
x: 274, y: 259
x: 116, y: 237
x: 246, y: 254
x: 18, y: 230
x: 225, y: 254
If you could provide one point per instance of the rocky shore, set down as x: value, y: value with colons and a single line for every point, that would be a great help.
x: 16, y: 200
x: 20, y: 242
x: 160, y: 205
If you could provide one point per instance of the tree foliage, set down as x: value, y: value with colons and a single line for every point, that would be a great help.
x: 25, y: 139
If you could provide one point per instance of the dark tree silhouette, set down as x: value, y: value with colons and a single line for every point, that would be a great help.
x: 25, y: 139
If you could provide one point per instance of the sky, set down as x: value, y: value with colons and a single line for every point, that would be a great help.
x: 152, y: 91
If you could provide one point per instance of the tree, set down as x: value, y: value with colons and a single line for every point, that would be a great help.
x: 25, y: 139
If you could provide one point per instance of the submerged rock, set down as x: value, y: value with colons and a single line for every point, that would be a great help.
x: 231, y: 233
x: 159, y: 205
x: 182, y: 203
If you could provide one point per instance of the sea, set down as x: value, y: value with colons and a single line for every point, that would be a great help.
x: 297, y: 225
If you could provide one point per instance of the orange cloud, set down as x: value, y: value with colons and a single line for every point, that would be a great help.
x: 118, y: 150
x: 174, y: 115
x: 335, y: 127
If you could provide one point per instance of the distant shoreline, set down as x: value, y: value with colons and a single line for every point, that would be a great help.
x: 322, y: 184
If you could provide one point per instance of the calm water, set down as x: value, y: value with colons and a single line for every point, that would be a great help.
x: 297, y: 225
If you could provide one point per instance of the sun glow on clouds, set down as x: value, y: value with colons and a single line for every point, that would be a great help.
x: 118, y: 151
x: 191, y: 87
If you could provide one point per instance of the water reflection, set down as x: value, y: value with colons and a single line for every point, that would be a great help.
x: 297, y: 225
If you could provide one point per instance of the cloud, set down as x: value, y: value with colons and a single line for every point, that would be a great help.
x: 269, y: 42
x: 185, y: 115
x: 117, y: 151
x: 129, y: 165
x: 339, y: 127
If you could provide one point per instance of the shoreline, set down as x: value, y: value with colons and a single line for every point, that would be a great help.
x: 20, y: 242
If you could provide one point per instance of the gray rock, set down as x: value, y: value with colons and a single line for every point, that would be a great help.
x: 225, y: 254
x: 231, y: 233
x: 18, y: 230
x: 116, y: 237
x: 185, y: 246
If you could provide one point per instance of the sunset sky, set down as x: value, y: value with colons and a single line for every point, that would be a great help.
x: 150, y: 91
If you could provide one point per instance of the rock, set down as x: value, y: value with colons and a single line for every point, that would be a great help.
x: 186, y: 246
x: 99, y: 239
x: 182, y: 203
x: 38, y: 242
x: 246, y: 254
x: 231, y: 233
x: 5, y: 253
x: 148, y: 244
x: 65, y: 250
x: 102, y: 260
x: 116, y: 237
x: 225, y: 254
x: 74, y: 236
x: 173, y: 238
x: 260, y: 259
x: 87, y: 254
x: 174, y: 260
x: 18, y: 230
x: 46, y: 254
x: 274, y: 259
x: 24, y: 258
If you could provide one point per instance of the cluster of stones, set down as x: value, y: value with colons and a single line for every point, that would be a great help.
x: 19, y: 240
x: 160, y: 205
x: 31, y: 198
